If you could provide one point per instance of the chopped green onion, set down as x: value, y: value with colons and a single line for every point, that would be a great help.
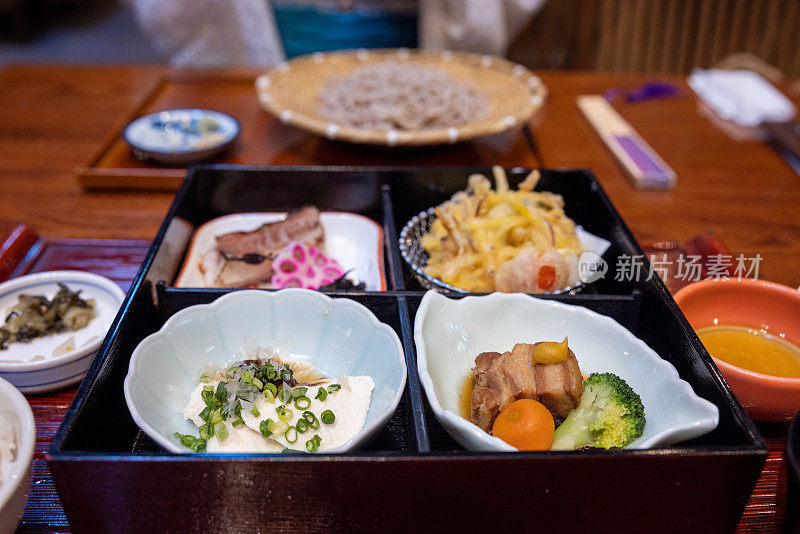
x: 255, y: 411
x: 222, y: 392
x: 206, y: 431
x: 311, y: 419
x: 220, y: 431
x: 209, y: 399
x: 334, y: 387
x: 301, y: 403
x: 246, y: 377
x: 321, y: 394
x: 301, y: 426
x: 208, y: 388
x: 268, y: 395
x: 286, y: 393
x: 299, y: 391
x: 264, y: 428
x: 543, y: 205
x: 278, y: 427
x: 237, y: 409
x: 272, y: 375
x: 271, y: 388
x: 285, y: 414
x: 291, y: 434
x: 238, y: 422
x: 206, y: 414
x: 286, y: 375
x: 313, y: 444
x: 217, y: 417
x: 258, y: 383
x: 185, y: 439
x: 327, y: 417
x: 230, y: 373
x: 205, y: 378
x: 199, y: 446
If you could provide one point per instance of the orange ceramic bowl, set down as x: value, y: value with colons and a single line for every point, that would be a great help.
x: 756, y: 304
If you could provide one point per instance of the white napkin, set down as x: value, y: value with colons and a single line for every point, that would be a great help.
x: 591, y: 242
x: 741, y: 96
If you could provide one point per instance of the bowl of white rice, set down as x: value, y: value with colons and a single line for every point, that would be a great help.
x: 17, y: 439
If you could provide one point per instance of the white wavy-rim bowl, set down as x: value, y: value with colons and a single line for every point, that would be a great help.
x: 56, y: 372
x: 450, y: 333
x: 15, y: 477
x: 339, y: 336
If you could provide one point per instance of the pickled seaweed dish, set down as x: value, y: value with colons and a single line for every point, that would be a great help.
x: 37, y: 316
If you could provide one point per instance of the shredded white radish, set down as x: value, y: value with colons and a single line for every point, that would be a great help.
x: 8, y: 444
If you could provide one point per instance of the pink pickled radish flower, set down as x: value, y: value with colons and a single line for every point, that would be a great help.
x: 300, y: 265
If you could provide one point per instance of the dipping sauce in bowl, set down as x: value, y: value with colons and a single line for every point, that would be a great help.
x: 752, y: 349
x: 751, y: 328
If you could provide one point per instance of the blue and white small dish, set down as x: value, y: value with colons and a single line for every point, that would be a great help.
x: 31, y: 366
x: 181, y: 136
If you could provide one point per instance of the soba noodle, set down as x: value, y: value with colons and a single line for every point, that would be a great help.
x: 405, y: 96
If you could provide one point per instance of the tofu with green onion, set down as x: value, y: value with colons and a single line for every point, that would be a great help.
x: 337, y: 415
x: 238, y: 438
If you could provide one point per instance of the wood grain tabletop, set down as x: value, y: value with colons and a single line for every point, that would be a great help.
x: 54, y: 118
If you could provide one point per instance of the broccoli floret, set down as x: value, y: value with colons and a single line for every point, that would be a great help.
x: 610, y: 414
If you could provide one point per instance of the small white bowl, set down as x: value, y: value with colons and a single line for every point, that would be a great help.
x: 15, y: 476
x: 338, y: 336
x: 30, y: 366
x: 450, y: 333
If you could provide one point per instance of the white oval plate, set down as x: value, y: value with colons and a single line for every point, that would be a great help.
x: 353, y: 240
x: 450, y: 333
x: 31, y: 366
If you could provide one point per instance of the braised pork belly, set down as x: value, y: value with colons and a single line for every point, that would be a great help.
x: 500, y: 379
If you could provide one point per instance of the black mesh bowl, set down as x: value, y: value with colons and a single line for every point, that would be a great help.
x: 414, y: 254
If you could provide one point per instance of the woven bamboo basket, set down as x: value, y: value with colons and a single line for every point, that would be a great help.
x: 291, y: 90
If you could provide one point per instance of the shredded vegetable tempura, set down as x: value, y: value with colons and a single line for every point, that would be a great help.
x: 488, y: 239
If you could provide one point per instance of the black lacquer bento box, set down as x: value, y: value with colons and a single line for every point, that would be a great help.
x: 413, y: 477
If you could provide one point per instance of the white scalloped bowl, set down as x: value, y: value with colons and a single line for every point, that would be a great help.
x: 450, y: 333
x: 339, y: 336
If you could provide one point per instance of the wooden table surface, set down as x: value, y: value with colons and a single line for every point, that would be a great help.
x: 53, y: 118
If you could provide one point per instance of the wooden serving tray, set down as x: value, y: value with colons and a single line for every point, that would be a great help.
x: 23, y: 251
x: 264, y: 140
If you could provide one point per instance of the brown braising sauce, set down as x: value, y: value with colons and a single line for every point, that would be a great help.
x: 465, y: 396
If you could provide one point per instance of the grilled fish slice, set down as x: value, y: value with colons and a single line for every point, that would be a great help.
x: 246, y: 257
